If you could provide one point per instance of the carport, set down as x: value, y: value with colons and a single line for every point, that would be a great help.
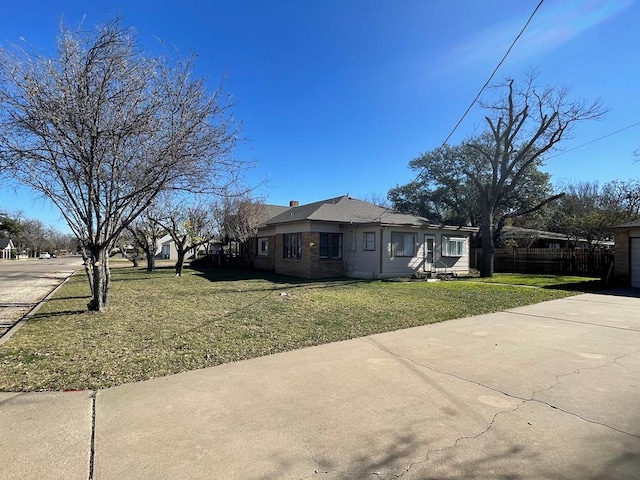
x: 627, y: 253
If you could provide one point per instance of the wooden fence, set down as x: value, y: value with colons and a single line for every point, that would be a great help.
x: 544, y: 260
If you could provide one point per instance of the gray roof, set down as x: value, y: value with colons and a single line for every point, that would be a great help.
x: 5, y: 242
x: 509, y: 231
x: 635, y: 223
x: 271, y: 211
x: 345, y: 209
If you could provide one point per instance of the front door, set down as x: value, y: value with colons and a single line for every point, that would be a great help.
x: 429, y: 252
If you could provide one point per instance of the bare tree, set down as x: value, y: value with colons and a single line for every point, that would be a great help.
x: 190, y: 226
x: 146, y: 233
x: 102, y: 128
x: 522, y: 127
x: 239, y: 218
x: 128, y: 248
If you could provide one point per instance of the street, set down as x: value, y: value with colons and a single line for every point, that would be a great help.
x: 24, y: 283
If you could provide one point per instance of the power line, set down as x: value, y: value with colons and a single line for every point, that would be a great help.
x: 594, y: 140
x: 495, y: 70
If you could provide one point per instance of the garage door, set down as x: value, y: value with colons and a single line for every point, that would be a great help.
x: 635, y: 262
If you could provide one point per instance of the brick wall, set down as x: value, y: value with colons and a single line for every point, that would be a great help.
x: 267, y: 262
x: 309, y: 265
x: 298, y: 267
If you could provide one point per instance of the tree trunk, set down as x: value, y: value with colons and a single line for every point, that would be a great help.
x: 488, y: 246
x: 151, y: 261
x: 150, y: 253
x: 180, y: 263
x: 100, y: 277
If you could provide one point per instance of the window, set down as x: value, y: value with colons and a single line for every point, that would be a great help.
x: 403, y: 244
x: 263, y: 246
x: 369, y: 241
x: 292, y: 245
x: 331, y: 246
x: 452, y: 246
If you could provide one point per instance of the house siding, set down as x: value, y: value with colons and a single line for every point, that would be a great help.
x: 409, y: 265
x: 380, y: 263
x: 622, y: 254
x: 359, y: 262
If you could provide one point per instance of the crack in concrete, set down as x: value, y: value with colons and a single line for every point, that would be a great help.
x: 545, y: 317
x: 460, y: 439
x: 523, y: 400
x: 577, y: 371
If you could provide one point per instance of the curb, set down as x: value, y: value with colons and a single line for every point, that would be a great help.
x: 32, y: 312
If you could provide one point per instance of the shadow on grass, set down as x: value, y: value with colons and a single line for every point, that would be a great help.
x: 77, y: 297
x: 589, y: 286
x: 280, y: 281
x: 62, y: 313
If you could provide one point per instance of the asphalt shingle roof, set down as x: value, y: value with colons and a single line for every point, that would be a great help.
x: 633, y: 224
x: 345, y: 210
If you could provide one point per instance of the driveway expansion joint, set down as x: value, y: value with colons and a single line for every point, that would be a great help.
x: 92, y: 446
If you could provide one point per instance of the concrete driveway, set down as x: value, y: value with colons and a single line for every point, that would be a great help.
x: 548, y: 391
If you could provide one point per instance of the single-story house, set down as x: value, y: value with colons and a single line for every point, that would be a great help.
x: 166, y: 248
x: 626, y: 254
x: 344, y: 236
x: 6, y: 248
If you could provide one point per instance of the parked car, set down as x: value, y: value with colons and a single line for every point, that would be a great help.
x: 44, y: 255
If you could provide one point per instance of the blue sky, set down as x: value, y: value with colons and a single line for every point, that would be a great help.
x: 338, y: 96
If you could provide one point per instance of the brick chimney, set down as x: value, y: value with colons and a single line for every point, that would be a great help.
x: 294, y: 203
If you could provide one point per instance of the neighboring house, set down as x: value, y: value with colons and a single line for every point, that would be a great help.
x: 529, y: 238
x: 344, y: 236
x: 167, y: 249
x: 627, y: 253
x: 6, y: 248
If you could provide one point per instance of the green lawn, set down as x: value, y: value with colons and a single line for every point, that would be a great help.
x: 564, y: 282
x: 158, y: 324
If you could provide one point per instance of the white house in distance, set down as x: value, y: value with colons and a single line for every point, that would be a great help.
x: 6, y: 248
x: 166, y: 248
x: 344, y: 236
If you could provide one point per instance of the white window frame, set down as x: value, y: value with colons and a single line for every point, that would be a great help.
x: 453, y: 246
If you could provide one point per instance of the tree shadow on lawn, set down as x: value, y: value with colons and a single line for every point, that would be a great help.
x: 588, y: 286
x: 62, y: 313
x: 281, y: 282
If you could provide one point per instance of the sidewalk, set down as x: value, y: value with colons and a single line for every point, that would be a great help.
x: 544, y: 391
